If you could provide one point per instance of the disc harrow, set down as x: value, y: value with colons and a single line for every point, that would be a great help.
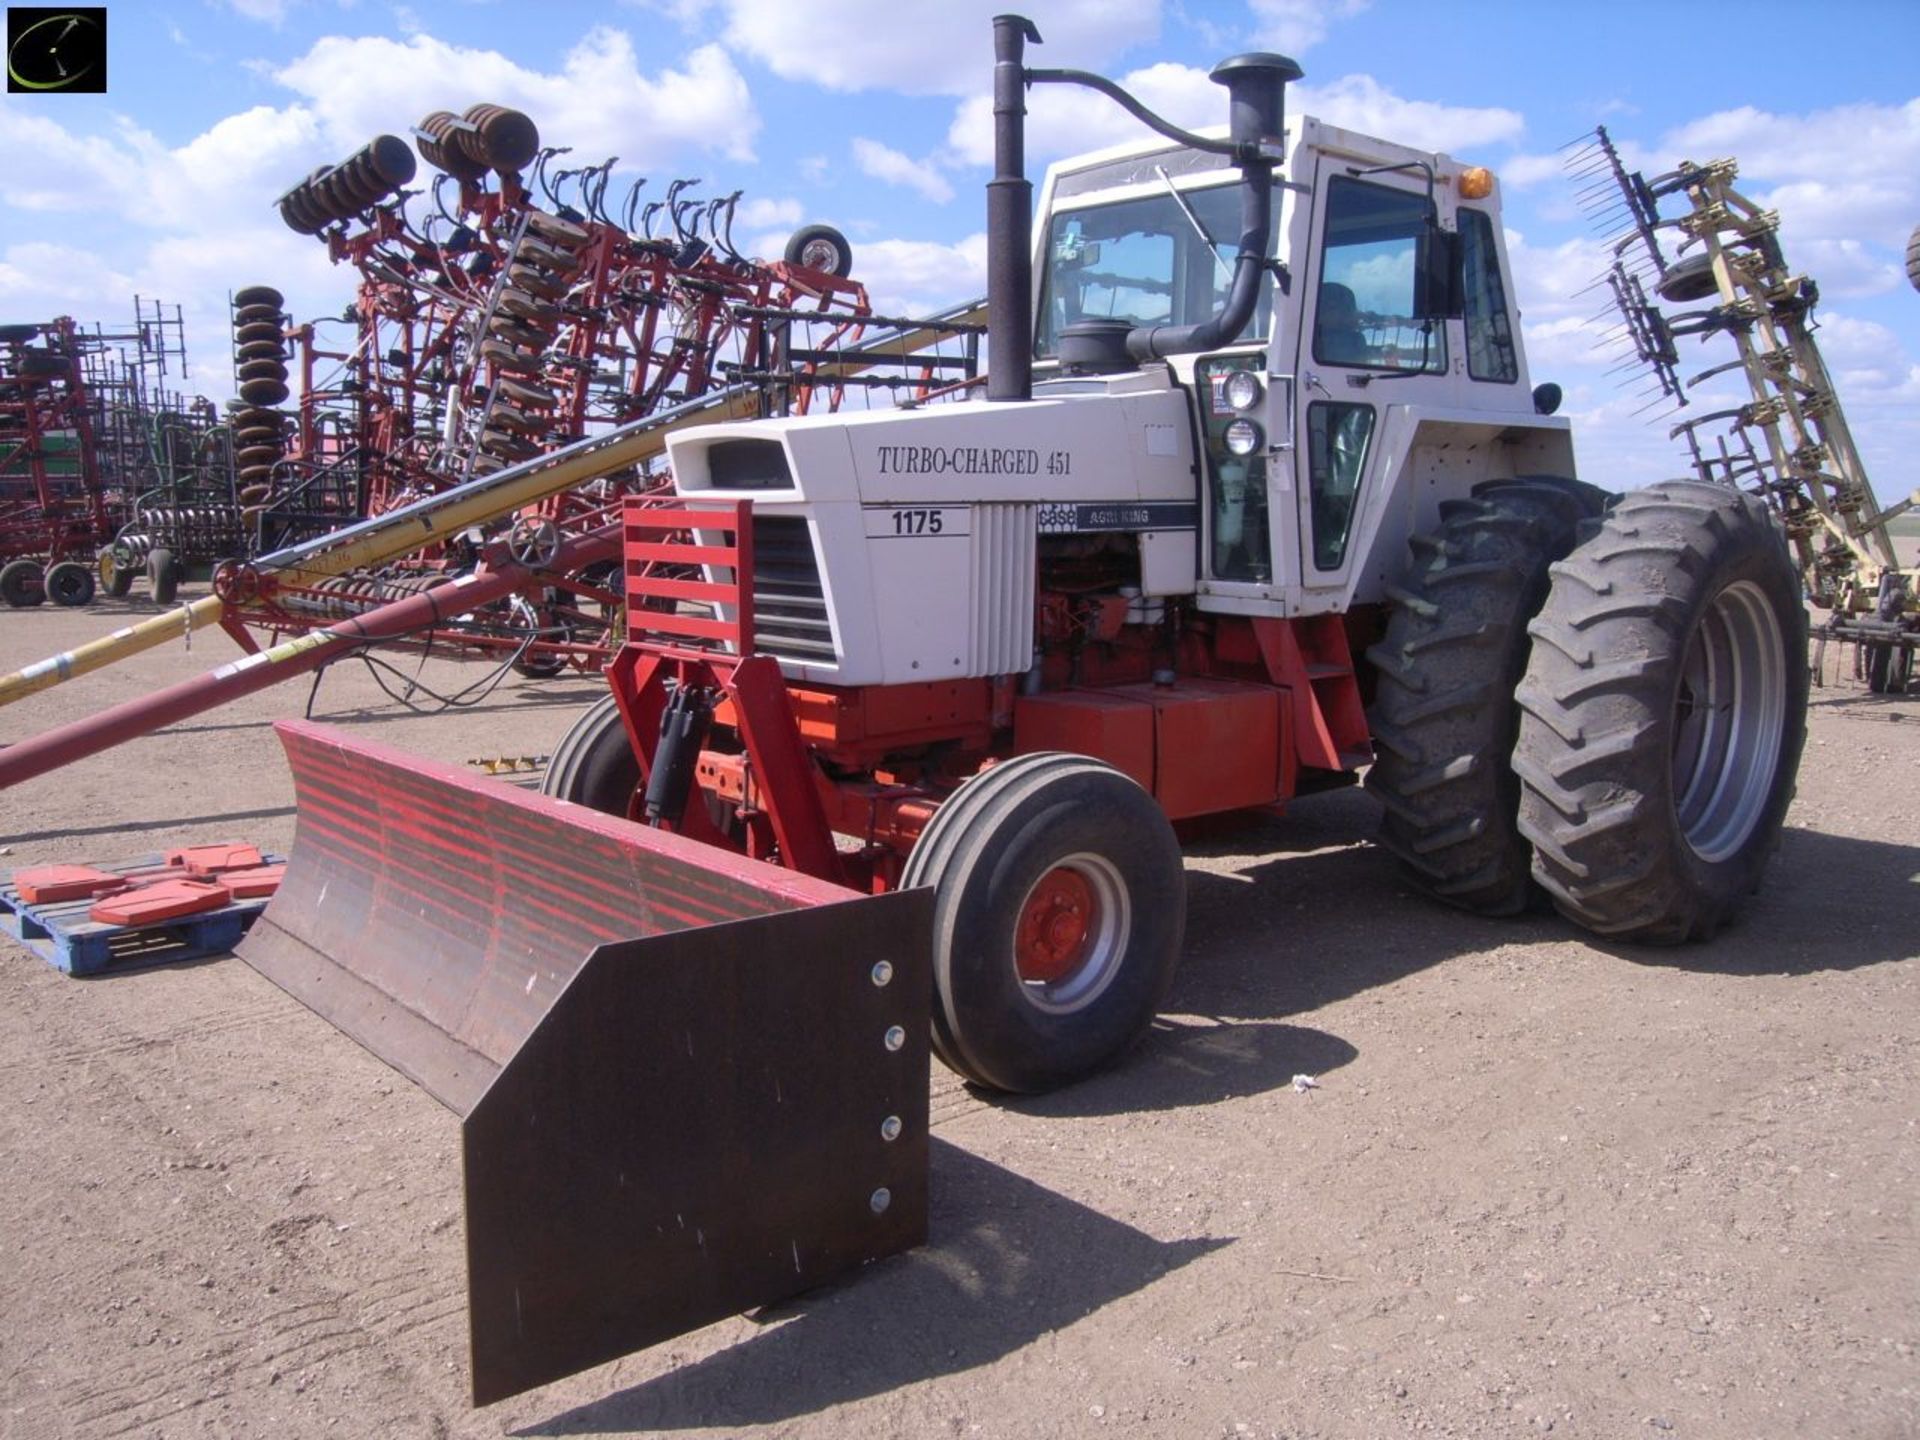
x: 515, y: 306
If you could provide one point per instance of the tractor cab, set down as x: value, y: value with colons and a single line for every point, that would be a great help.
x: 1384, y: 332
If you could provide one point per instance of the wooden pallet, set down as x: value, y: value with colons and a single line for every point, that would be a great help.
x: 64, y: 936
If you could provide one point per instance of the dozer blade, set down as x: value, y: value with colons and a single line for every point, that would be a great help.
x: 689, y: 1083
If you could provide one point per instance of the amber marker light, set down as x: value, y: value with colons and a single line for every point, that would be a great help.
x: 1476, y: 182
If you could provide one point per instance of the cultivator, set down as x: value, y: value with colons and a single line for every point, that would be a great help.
x: 1789, y: 441
x: 53, y: 509
x: 101, y: 460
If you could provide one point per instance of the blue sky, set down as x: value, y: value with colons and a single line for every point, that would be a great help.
x: 867, y: 114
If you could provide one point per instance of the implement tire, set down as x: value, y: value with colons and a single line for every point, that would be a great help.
x: 1443, y: 718
x: 23, y: 583
x: 594, y: 764
x: 1059, y: 909
x: 69, y: 583
x: 163, y: 575
x: 116, y: 579
x: 820, y: 247
x: 1663, y: 714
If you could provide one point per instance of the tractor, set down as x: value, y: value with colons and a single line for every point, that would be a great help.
x: 913, y: 704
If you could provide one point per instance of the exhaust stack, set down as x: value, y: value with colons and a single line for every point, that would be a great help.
x: 1256, y: 86
x: 1010, y: 218
x: 1256, y: 119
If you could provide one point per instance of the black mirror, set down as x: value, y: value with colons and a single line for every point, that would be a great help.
x: 1437, y: 275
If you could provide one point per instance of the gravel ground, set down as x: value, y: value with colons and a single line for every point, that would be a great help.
x: 1545, y: 1185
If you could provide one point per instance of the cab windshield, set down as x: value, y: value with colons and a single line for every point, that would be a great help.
x: 1144, y: 261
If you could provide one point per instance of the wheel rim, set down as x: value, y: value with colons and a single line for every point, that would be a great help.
x: 1729, y: 718
x: 819, y: 255
x: 1072, y: 933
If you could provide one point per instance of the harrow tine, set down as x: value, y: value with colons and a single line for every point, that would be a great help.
x: 600, y: 176
x: 632, y: 204
x: 723, y: 235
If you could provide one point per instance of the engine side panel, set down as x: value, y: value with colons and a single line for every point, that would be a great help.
x: 925, y: 525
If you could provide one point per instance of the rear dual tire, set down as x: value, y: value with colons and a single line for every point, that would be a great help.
x: 1443, y: 719
x: 1663, y: 714
x: 1615, y: 725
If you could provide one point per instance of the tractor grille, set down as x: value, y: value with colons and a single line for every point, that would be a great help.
x: 789, y: 606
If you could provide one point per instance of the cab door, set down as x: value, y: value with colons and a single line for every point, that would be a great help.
x: 1361, y: 349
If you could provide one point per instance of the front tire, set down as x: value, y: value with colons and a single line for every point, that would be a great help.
x: 594, y: 764
x: 1663, y: 714
x: 1060, y: 904
x: 1443, y: 720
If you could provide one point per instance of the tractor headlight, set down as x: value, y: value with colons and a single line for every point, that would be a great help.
x: 1243, y: 390
x: 1243, y: 437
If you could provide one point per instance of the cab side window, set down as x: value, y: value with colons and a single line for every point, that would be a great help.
x: 1490, y: 349
x: 1338, y: 434
x: 1364, y: 310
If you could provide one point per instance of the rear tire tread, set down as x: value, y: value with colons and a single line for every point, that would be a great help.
x: 1595, y: 753
x: 1443, y: 717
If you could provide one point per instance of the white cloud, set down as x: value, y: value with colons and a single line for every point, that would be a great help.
x: 1294, y: 27
x: 885, y: 163
x: 1866, y: 360
x: 1847, y: 269
x: 687, y: 14
x: 1846, y: 179
x: 926, y: 49
x: 763, y: 212
x: 1064, y: 120
x: 600, y: 101
x: 1359, y: 102
x: 1549, y: 283
x: 273, y: 12
x: 1849, y: 142
x: 918, y: 276
x: 45, y: 275
x: 1067, y: 119
x: 1520, y: 172
x: 51, y: 169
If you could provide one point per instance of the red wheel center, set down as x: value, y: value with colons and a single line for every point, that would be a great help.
x: 1056, y: 925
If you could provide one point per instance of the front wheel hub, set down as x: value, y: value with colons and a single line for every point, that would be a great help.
x: 1072, y: 932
